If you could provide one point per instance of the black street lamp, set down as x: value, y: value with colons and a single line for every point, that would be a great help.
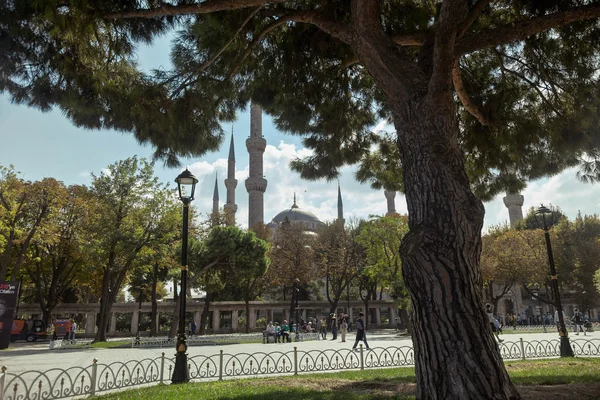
x: 542, y: 213
x: 186, y: 185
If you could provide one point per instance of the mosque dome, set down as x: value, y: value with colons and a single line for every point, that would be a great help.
x: 296, y: 214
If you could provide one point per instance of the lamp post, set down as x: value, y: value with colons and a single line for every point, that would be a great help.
x: 565, y: 346
x: 186, y: 185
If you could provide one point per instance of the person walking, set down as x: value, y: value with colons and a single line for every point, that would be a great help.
x: 72, y: 330
x: 334, y: 327
x: 360, y: 331
x: 579, y: 320
x: 493, y: 322
x: 323, y: 328
x: 343, y: 326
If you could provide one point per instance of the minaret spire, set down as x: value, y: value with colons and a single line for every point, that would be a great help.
x: 294, y: 205
x: 216, y: 195
x: 230, y: 184
x: 390, y: 195
x: 256, y: 184
x: 340, y: 205
x: 514, y: 202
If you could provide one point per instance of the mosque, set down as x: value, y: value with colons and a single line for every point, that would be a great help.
x: 256, y: 185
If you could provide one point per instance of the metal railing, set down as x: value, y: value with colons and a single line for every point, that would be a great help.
x: 144, y: 342
x: 59, y: 383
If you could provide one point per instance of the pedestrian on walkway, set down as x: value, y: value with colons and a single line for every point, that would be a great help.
x: 360, y: 331
x: 493, y: 322
x: 343, y: 326
x: 323, y: 328
x: 334, y: 327
x: 579, y: 320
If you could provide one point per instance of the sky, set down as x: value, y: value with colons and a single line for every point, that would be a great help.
x: 48, y: 145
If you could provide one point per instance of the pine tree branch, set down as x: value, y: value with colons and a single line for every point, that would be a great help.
x: 204, y: 7
x: 464, y: 98
x: 533, y: 86
x: 472, y: 16
x: 523, y: 29
x: 452, y: 13
x: 214, y: 57
x: 254, y: 42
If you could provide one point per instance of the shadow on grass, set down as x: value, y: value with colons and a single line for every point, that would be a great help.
x: 345, y: 393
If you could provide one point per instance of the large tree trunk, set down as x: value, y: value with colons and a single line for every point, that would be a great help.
x: 456, y: 354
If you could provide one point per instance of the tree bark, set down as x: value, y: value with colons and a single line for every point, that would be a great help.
x: 456, y: 355
x: 204, y: 315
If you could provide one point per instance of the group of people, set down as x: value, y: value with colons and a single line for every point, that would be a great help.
x: 281, y: 333
x: 579, y: 320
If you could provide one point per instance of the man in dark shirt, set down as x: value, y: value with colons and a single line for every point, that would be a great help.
x: 360, y: 331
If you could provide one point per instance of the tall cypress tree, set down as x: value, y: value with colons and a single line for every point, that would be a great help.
x: 483, y: 95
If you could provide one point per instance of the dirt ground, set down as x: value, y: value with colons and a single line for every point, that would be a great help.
x: 581, y: 391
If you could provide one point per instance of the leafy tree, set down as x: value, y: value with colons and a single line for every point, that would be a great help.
x: 484, y: 96
x: 338, y: 257
x: 512, y: 257
x: 24, y: 208
x: 531, y: 221
x: 576, y: 246
x: 292, y: 255
x: 131, y: 211
x: 381, y: 238
x: 58, y: 256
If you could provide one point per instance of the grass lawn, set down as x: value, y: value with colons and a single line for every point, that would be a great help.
x: 111, y: 345
x: 546, y: 379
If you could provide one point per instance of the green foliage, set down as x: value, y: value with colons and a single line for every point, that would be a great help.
x: 381, y: 238
x: 540, y: 94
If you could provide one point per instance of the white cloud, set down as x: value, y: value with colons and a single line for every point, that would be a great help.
x: 360, y: 201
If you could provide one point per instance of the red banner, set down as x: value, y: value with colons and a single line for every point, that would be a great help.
x: 9, y: 291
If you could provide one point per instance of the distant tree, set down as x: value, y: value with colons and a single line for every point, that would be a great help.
x: 381, y: 238
x: 338, y: 258
x: 228, y: 257
x: 24, y: 208
x: 58, y: 258
x: 530, y: 221
x: 292, y: 256
x: 576, y: 246
x: 512, y: 257
x: 131, y: 210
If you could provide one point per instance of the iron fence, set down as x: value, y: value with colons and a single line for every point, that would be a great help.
x: 60, y: 383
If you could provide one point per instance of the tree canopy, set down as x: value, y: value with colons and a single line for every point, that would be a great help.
x: 484, y: 96
x: 525, y: 75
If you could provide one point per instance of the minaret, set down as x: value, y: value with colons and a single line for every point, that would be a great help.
x: 256, y: 184
x: 215, y: 209
x: 340, y: 206
x: 230, y: 184
x: 390, y: 195
x: 514, y: 203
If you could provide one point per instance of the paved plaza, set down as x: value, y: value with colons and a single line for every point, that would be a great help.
x: 27, y: 357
